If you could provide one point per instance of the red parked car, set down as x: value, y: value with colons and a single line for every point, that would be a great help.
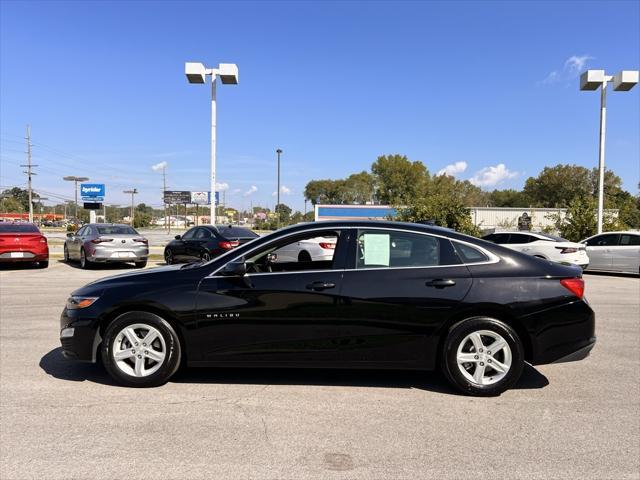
x: 23, y: 242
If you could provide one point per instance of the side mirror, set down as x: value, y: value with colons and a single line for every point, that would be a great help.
x: 177, y: 237
x: 272, y: 257
x: 237, y: 268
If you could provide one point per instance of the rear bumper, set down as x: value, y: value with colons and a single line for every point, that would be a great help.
x: 125, y: 255
x: 28, y: 256
x: 562, y: 333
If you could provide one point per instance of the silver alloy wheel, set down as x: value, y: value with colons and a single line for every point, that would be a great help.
x: 83, y: 258
x: 139, y: 350
x: 66, y: 253
x: 484, y: 357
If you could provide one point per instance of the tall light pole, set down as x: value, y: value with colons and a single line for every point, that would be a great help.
x: 74, y: 179
x: 132, y: 192
x: 592, y: 80
x: 197, y: 73
x: 278, y: 152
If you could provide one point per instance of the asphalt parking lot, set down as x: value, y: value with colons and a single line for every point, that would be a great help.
x: 61, y: 419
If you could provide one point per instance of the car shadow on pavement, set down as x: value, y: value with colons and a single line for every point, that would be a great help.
x: 102, y: 266
x: 19, y: 266
x: 54, y: 364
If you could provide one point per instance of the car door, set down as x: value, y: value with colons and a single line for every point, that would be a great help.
x: 179, y: 246
x: 196, y: 245
x: 625, y: 257
x: 599, y: 250
x: 76, y: 242
x: 402, y: 287
x: 283, y: 313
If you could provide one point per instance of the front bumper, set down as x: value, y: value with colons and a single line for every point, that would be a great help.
x: 83, y: 344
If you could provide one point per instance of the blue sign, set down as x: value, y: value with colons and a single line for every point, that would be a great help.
x: 92, y: 192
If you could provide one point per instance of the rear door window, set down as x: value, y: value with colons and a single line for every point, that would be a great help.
x: 395, y: 249
x: 469, y: 254
x: 627, y: 240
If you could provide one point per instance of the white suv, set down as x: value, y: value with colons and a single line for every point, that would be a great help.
x: 542, y: 245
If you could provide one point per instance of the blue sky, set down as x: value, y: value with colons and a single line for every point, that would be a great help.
x: 487, y: 89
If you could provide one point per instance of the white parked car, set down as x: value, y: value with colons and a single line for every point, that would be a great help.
x: 313, y: 249
x: 542, y: 245
x: 614, y: 252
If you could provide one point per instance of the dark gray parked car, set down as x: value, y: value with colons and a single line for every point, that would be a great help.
x: 106, y: 242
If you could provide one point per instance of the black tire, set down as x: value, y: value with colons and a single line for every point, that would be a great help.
x: 44, y: 264
x: 66, y: 253
x: 168, y: 257
x: 167, y: 368
x: 453, y: 372
x: 141, y: 264
x: 304, y: 256
x: 205, y: 256
x: 85, y: 263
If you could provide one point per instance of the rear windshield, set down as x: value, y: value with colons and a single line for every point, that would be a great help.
x: 552, y: 237
x: 236, y: 232
x: 116, y: 230
x: 18, y: 228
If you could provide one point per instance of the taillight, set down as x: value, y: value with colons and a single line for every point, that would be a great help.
x: 574, y: 285
x: 141, y: 240
x: 228, y: 245
x: 567, y: 249
x: 101, y: 239
x: 327, y: 245
x: 43, y: 239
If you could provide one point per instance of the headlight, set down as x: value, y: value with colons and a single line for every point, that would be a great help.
x: 75, y: 302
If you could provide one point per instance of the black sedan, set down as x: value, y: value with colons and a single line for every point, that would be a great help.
x: 394, y: 295
x: 206, y: 242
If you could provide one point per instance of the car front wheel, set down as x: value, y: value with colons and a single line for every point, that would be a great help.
x: 168, y: 257
x: 482, y: 356
x: 141, y: 349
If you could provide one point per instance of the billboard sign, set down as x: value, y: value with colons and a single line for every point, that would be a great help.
x: 200, y: 198
x: 92, y: 192
x: 181, y: 197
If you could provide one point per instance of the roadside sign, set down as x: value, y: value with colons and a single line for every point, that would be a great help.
x: 92, y: 192
x: 177, y: 196
x: 200, y: 198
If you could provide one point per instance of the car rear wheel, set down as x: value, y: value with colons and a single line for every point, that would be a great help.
x: 141, y: 264
x: 304, y: 256
x: 84, y: 261
x: 482, y: 356
x: 141, y: 349
x: 168, y: 257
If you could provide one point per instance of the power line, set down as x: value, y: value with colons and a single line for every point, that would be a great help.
x: 29, y: 172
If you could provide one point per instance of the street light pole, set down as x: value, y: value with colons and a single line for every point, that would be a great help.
x: 197, y: 73
x: 72, y: 178
x: 132, y: 192
x: 623, y: 81
x: 278, y: 152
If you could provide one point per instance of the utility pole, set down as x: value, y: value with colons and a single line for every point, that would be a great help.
x: 279, y: 152
x: 29, y: 173
x: 132, y: 192
x: 164, y: 189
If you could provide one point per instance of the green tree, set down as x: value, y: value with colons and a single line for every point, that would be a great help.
x: 580, y: 220
x: 10, y: 204
x: 399, y: 181
x: 557, y: 186
x: 359, y: 188
x: 508, y: 198
x: 21, y: 196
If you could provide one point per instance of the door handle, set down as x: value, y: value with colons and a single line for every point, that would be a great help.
x: 317, y: 286
x: 441, y: 283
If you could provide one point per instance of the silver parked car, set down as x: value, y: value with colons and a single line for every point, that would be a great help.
x: 106, y: 242
x: 614, y: 252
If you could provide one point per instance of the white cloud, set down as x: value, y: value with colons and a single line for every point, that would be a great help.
x: 573, y: 66
x: 453, y: 169
x: 236, y: 190
x: 221, y: 187
x: 159, y: 166
x: 491, y: 176
x: 253, y: 189
x: 284, y: 190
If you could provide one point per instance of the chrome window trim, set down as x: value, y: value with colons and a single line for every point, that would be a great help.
x: 492, y: 257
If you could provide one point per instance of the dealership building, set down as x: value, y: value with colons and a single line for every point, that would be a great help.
x: 486, y: 218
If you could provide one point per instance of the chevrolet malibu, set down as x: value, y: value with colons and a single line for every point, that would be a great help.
x: 393, y: 295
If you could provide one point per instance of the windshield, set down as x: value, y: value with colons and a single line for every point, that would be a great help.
x: 18, y: 228
x: 116, y: 230
x: 236, y: 232
x: 552, y: 237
